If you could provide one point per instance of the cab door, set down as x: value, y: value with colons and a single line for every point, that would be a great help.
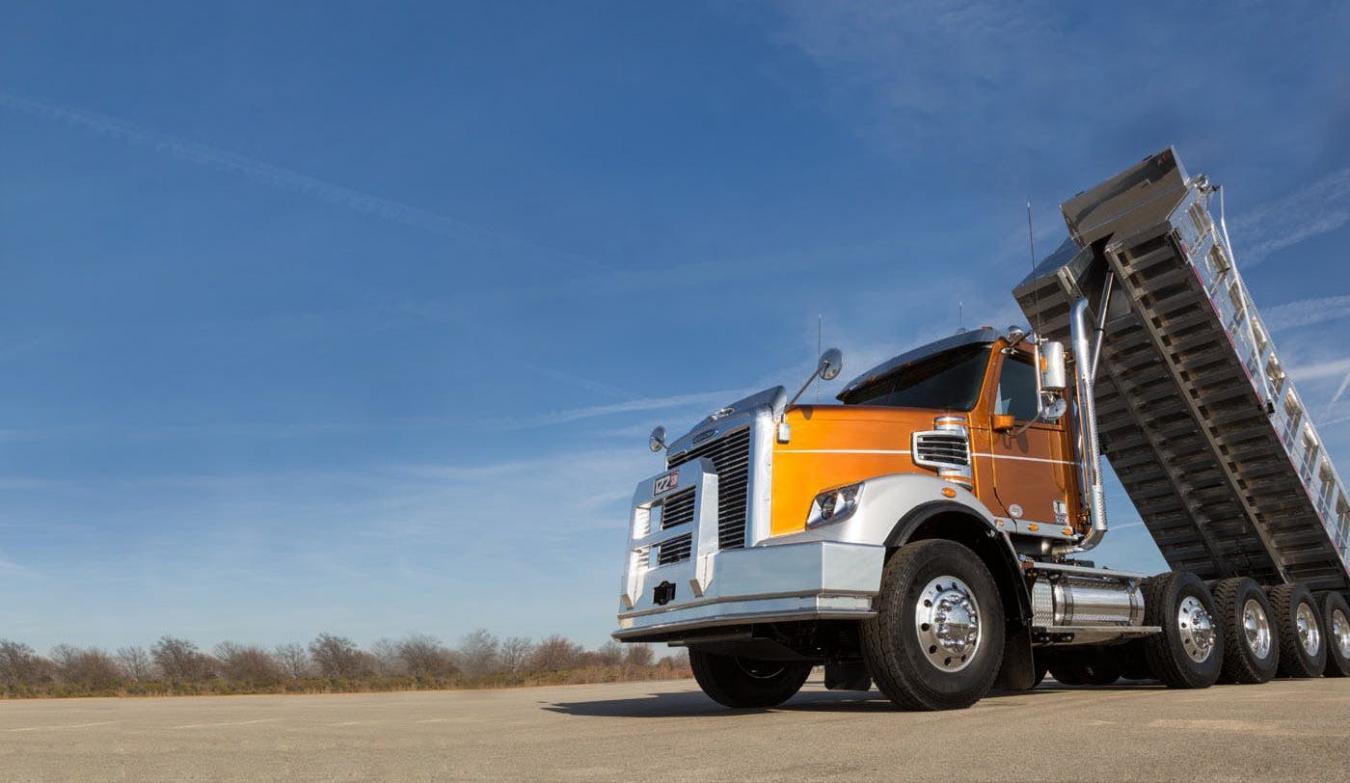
x: 1030, y: 466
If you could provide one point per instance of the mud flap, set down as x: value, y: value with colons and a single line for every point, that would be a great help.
x: 847, y: 676
x: 1018, y: 672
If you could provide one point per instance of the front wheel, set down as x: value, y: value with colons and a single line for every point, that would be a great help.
x: 937, y: 638
x: 747, y: 682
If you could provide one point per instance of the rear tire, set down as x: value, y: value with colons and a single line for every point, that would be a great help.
x: 1336, y: 614
x: 743, y: 683
x: 1251, y: 641
x: 1188, y: 653
x: 936, y: 641
x: 1302, y: 634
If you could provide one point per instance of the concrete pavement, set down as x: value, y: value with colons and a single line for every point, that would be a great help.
x: 667, y: 731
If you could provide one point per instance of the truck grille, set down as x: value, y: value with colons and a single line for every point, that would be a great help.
x: 730, y: 455
x: 938, y: 449
x: 674, y: 550
x: 678, y: 509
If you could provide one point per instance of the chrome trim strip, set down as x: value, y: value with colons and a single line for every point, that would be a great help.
x: 844, y: 451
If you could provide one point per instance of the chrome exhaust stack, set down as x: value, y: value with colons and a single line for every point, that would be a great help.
x: 1089, y: 450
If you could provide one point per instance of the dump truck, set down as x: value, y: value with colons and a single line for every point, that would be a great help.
x: 931, y: 533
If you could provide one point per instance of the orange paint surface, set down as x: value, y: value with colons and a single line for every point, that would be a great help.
x: 834, y: 445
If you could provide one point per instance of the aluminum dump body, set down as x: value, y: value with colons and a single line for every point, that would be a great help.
x: 1195, y: 412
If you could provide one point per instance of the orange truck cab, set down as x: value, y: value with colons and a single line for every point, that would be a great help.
x: 926, y: 534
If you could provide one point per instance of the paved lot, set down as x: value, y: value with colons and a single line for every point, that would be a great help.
x: 667, y: 731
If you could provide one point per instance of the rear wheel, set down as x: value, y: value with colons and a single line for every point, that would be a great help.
x: 1251, y: 644
x: 1298, y: 625
x: 1336, y: 613
x: 936, y: 641
x: 1189, y: 651
x: 747, y: 682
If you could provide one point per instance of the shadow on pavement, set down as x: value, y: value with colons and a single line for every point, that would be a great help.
x: 693, y: 704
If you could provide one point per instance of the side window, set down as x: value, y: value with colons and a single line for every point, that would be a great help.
x: 1017, y: 390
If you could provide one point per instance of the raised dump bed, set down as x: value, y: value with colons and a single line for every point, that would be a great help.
x: 1194, y: 409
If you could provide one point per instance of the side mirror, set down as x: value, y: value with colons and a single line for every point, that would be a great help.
x: 657, y: 441
x: 1054, y: 368
x: 1003, y: 422
x: 831, y: 362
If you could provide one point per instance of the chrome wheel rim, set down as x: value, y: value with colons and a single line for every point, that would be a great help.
x: 1309, y: 635
x: 1196, y: 628
x: 947, y: 622
x: 1340, y: 631
x: 1256, y: 627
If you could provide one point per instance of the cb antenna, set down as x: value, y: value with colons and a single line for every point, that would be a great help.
x: 1035, y: 291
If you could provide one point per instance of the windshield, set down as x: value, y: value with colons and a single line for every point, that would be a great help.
x: 948, y: 381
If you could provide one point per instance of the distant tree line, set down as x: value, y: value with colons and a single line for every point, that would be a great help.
x: 329, y: 663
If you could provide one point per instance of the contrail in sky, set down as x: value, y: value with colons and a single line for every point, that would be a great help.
x: 274, y: 176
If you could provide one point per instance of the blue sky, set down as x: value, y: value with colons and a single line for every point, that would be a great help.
x: 354, y: 317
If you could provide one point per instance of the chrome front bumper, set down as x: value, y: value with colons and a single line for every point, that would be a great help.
x: 814, y: 580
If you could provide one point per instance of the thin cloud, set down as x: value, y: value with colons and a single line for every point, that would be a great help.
x: 639, y: 405
x: 1306, y: 312
x: 1319, y: 208
x: 276, y: 176
x: 1329, y: 369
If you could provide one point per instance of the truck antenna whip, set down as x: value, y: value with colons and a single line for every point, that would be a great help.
x: 1035, y: 293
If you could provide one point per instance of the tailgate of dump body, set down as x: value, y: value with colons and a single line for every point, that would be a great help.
x: 1208, y: 436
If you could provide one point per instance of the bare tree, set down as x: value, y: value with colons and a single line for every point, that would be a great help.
x: 388, y: 663
x: 179, y: 660
x: 609, y: 654
x: 555, y: 653
x: 89, y: 668
x: 247, y: 664
x: 478, y: 652
x: 135, y: 662
x: 425, y: 657
x: 514, y: 652
x: 337, y: 656
x: 640, y: 655
x: 20, y: 666
x: 293, y: 659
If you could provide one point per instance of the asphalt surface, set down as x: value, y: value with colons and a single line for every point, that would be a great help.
x: 668, y: 731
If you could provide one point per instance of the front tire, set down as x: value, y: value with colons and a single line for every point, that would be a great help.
x: 936, y: 641
x: 1303, y: 638
x: 1251, y: 641
x: 747, y: 683
x: 1189, y: 651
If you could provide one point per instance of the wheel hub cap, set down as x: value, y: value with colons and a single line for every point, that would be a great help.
x: 1256, y: 627
x: 947, y: 621
x: 1196, y: 628
x: 1309, y: 635
x: 1340, y: 631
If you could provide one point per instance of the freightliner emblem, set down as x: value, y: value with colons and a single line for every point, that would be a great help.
x: 704, y: 435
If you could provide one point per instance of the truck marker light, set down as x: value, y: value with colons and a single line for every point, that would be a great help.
x: 948, y: 492
x: 1068, y: 531
x: 1033, y: 527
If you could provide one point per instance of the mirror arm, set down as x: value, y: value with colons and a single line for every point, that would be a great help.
x: 799, y: 393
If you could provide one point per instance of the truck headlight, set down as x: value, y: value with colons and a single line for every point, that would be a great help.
x: 834, y: 505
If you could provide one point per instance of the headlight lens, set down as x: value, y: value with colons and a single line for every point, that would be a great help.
x: 834, y: 505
